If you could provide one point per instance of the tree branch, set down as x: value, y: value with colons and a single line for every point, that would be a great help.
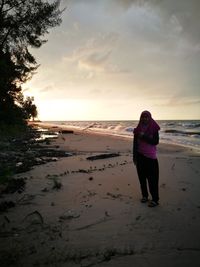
x: 16, y: 5
x: 5, y: 38
x: 2, y: 4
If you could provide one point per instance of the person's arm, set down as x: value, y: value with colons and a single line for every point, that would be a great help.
x: 154, y: 140
x: 135, y: 149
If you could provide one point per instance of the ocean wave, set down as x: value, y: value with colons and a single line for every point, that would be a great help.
x: 176, y: 132
x: 190, y: 133
x: 189, y: 125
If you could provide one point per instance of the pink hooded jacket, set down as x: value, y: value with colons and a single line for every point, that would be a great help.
x: 143, y: 146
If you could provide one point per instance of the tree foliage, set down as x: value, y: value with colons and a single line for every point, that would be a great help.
x: 23, y: 24
x: 29, y: 108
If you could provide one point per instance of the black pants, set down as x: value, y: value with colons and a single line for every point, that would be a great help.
x: 148, y: 170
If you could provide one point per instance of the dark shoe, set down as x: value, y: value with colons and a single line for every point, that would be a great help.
x: 144, y: 200
x: 153, y: 204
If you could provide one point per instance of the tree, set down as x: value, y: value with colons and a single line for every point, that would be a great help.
x: 23, y: 24
x: 11, y: 98
x: 29, y: 108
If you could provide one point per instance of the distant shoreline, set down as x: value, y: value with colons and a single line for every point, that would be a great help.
x: 166, y: 146
x: 59, y: 127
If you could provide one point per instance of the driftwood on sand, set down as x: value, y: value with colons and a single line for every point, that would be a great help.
x: 103, y: 156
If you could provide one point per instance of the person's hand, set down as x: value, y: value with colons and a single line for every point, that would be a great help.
x: 141, y: 134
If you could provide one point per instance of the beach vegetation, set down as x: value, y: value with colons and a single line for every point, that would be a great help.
x: 56, y: 183
x: 23, y: 25
x: 5, y: 173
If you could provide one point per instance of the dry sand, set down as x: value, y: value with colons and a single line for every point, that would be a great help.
x: 96, y: 218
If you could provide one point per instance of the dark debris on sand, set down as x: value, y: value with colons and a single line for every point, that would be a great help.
x: 5, y: 205
x: 20, y: 154
x: 103, y: 156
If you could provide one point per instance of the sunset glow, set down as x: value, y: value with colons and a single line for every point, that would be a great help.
x: 109, y: 60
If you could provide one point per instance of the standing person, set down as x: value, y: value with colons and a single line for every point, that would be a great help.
x: 146, y: 137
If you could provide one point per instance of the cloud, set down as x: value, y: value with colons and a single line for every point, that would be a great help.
x: 94, y: 54
x: 183, y: 14
x: 100, y: 43
x: 142, y: 50
x: 47, y: 88
x: 174, y: 101
x: 94, y: 61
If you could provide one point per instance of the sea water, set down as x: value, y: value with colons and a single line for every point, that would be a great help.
x: 180, y: 132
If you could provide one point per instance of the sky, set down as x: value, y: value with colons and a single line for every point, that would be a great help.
x: 112, y: 59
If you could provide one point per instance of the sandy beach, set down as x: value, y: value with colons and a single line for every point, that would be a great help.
x: 80, y: 212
